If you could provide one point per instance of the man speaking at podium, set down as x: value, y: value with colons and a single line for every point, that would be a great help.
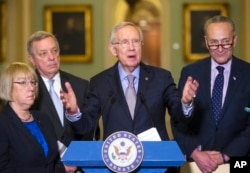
x: 130, y: 96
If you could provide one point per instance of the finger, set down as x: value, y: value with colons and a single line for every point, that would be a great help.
x: 195, y: 83
x: 189, y: 79
x: 68, y: 87
x: 213, y: 152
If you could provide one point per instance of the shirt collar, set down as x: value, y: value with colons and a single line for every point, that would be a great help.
x: 227, y: 66
x: 56, y: 78
x: 123, y: 74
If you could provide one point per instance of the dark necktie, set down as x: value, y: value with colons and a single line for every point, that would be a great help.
x: 217, y: 94
x: 56, y: 100
x: 130, y: 95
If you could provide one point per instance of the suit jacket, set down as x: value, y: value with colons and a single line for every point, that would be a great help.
x: 232, y: 133
x: 44, y: 103
x: 20, y: 152
x: 156, y: 92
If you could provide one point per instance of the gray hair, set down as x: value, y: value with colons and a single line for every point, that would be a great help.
x: 219, y: 19
x: 122, y: 25
x: 37, y: 36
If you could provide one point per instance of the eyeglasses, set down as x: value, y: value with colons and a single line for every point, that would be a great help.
x: 216, y: 46
x: 225, y: 44
x: 26, y: 83
x: 125, y: 43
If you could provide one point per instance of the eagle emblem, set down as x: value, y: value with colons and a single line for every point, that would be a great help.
x: 121, y: 153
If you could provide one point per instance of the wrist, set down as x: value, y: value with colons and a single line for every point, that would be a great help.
x: 186, y: 103
x: 72, y: 111
x: 195, y: 152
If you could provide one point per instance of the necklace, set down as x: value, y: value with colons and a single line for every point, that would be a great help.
x: 26, y: 119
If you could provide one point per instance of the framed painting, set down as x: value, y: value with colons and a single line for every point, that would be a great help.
x: 195, y: 16
x: 3, y: 7
x: 72, y: 26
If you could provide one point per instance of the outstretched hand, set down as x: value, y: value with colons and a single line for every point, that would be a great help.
x: 69, y: 99
x: 189, y: 91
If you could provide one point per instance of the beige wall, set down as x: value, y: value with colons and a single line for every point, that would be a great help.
x: 26, y: 16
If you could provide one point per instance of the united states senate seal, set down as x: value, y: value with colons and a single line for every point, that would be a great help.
x: 122, y: 152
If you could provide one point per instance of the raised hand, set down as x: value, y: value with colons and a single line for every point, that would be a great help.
x: 69, y: 99
x: 189, y: 91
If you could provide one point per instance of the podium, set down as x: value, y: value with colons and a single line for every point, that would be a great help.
x: 158, y: 156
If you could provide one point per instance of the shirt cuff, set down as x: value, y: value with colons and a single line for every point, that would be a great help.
x: 74, y: 117
x: 187, y: 109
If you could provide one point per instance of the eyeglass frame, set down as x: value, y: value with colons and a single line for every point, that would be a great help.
x: 25, y: 83
x: 125, y: 43
x: 224, y: 46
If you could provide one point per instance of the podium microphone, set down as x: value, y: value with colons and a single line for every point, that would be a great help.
x: 112, y: 100
x: 142, y: 98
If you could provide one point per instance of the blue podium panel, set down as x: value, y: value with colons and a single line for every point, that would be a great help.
x: 158, y: 156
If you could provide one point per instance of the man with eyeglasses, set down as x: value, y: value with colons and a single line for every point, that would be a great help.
x: 219, y: 126
x: 131, y: 96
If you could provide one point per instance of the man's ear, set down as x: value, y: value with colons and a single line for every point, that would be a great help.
x: 235, y: 40
x: 205, y: 39
x: 112, y: 50
x: 31, y: 59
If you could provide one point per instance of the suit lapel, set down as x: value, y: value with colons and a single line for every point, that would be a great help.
x: 207, y: 85
x: 64, y: 79
x: 114, y: 81
x: 45, y: 132
x: 20, y: 127
x: 46, y: 99
x: 235, y: 80
x: 145, y: 78
x: 205, y: 80
x: 203, y: 73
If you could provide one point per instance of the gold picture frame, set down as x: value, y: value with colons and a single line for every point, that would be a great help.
x: 3, y: 7
x: 195, y: 15
x: 72, y: 25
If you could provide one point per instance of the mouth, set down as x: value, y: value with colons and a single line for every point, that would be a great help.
x: 131, y: 56
x: 31, y: 97
x: 52, y: 65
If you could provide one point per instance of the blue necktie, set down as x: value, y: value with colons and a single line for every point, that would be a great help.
x: 130, y: 95
x: 217, y: 94
x: 56, y: 100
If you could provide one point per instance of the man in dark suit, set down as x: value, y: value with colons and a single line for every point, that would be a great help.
x: 211, y: 141
x: 155, y: 91
x: 43, y: 50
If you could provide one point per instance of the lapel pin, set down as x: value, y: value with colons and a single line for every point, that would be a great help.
x: 234, y: 78
x: 146, y: 78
